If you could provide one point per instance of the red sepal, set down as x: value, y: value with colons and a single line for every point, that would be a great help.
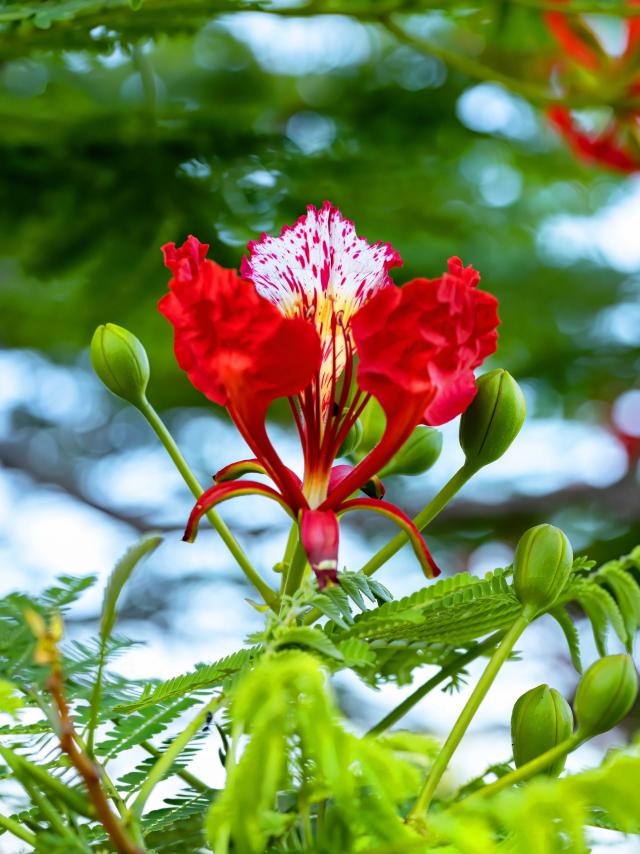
x: 423, y: 554
x: 235, y: 470
x: 223, y: 492
x: 320, y: 536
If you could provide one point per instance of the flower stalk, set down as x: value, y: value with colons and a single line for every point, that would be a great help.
x: 454, y: 666
x: 422, y: 519
x: 530, y: 769
x: 418, y: 811
x: 172, y: 449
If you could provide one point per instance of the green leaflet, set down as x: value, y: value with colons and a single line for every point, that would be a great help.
x: 10, y: 700
x: 306, y: 637
x: 132, y: 729
x: 201, y: 679
x: 454, y: 611
x: 165, y: 828
x: 570, y: 633
x: 119, y: 577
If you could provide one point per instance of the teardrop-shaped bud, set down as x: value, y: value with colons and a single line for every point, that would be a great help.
x: 352, y: 440
x: 541, y: 566
x: 606, y: 694
x: 120, y: 362
x: 373, y: 421
x: 419, y: 453
x: 493, y: 420
x: 540, y: 720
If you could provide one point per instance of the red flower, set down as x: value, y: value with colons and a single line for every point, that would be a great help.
x: 310, y: 301
x: 617, y: 145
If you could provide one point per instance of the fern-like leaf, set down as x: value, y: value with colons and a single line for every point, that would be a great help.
x: 454, y: 610
x: 203, y: 678
x: 571, y: 635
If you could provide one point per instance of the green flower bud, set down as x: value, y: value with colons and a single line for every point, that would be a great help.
x: 373, y: 422
x: 541, y: 566
x: 352, y: 441
x: 541, y: 718
x: 492, y: 422
x: 120, y: 362
x: 606, y: 694
x: 418, y: 453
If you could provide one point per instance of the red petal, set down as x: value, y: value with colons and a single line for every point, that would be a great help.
x: 573, y: 37
x: 601, y: 148
x: 223, y: 492
x: 423, y: 554
x: 228, y: 337
x: 338, y: 474
x: 426, y: 339
x: 320, y: 536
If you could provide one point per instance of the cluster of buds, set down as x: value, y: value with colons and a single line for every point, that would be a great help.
x: 542, y: 721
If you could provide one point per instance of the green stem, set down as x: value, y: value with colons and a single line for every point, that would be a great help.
x: 419, y: 809
x: 289, y: 551
x: 162, y: 767
x: 454, y: 666
x: 187, y: 776
x: 105, y: 778
x: 539, y: 95
x: 192, y: 482
x: 424, y: 517
x: 95, y: 701
x: 296, y: 570
x: 530, y: 769
x: 17, y: 830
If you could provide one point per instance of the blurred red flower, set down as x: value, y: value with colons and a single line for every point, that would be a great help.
x: 617, y: 144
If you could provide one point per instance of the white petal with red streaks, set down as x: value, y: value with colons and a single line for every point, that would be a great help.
x: 320, y: 257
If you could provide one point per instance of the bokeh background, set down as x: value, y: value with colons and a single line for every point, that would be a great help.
x: 126, y: 126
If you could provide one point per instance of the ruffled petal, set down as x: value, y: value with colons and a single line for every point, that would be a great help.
x: 237, y: 348
x: 227, y: 336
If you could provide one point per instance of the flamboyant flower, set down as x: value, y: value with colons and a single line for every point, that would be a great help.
x: 617, y: 144
x: 316, y: 319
